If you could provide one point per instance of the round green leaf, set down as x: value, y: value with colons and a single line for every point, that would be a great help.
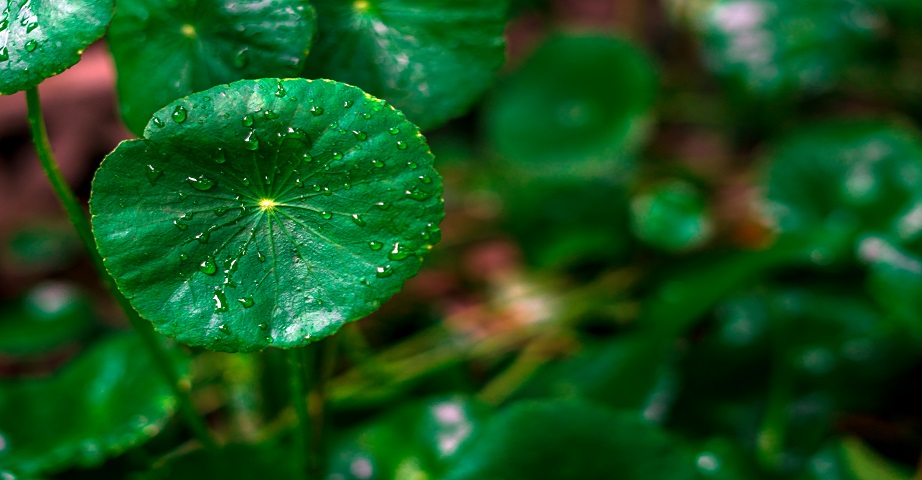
x: 103, y: 403
x: 673, y: 216
x: 580, y: 106
x: 48, y: 316
x: 167, y: 49
x: 430, y: 59
x: 846, y: 177
x: 416, y: 441
x: 264, y: 461
x: 572, y: 440
x: 771, y: 48
x: 266, y: 212
x: 42, y: 38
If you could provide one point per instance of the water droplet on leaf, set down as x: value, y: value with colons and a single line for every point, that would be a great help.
x: 201, y: 183
x: 208, y: 266
x: 179, y: 114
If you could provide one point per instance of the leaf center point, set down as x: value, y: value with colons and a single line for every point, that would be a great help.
x: 188, y: 30
x: 267, y: 204
x: 361, y: 6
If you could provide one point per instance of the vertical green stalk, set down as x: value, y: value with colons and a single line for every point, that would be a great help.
x: 296, y: 371
x: 81, y: 223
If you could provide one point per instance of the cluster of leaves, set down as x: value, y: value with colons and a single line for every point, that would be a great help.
x: 645, y: 333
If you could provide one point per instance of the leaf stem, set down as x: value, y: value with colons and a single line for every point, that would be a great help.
x: 81, y: 223
x: 296, y: 370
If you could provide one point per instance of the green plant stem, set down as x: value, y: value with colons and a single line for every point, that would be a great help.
x: 296, y: 371
x: 81, y: 223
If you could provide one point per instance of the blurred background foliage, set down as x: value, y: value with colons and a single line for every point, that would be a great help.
x: 683, y: 240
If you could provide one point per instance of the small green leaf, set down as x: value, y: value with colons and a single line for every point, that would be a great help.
x: 571, y: 440
x: 849, y: 178
x: 40, y: 39
x: 672, y: 216
x: 580, y: 106
x: 246, y: 218
x: 416, y: 441
x: 432, y: 60
x: 50, y: 315
x: 773, y: 49
x: 264, y: 461
x: 103, y: 403
x: 167, y: 49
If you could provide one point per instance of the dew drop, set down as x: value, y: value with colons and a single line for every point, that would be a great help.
x: 383, y: 205
x: 223, y: 328
x: 242, y: 58
x: 251, y: 142
x: 31, y: 45
x: 270, y: 114
x: 327, y: 192
x: 358, y: 220
x: 299, y: 183
x: 394, y: 130
x: 280, y: 90
x: 337, y: 156
x: 296, y: 133
x: 31, y: 26
x: 220, y: 156
x: 401, y: 145
x: 377, y: 163
x: 317, y: 111
x: 348, y: 104
x: 247, y: 302
x: 4, y: 54
x: 182, y: 196
x: 203, y: 237
x: 220, y: 211
x: 307, y: 158
x: 208, y: 266
x: 180, y: 226
x: 201, y: 183
x: 263, y: 326
x: 270, y: 340
x: 384, y: 272
x: 412, y: 165
x: 326, y: 215
x: 267, y: 180
x: 158, y: 122
x: 366, y: 116
x: 247, y: 120
x: 260, y: 257
x: 183, y: 257
x: 360, y: 135
x: 417, y: 194
x: 375, y: 245
x: 245, y: 181
x: 425, y: 179
x: 179, y: 114
x: 153, y: 173
x: 399, y: 252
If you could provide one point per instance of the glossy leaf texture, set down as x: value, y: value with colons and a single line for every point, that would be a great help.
x: 266, y: 212
x: 416, y: 441
x: 50, y: 315
x: 580, y: 106
x: 265, y: 461
x: 565, y: 440
x: 107, y: 400
x: 167, y: 49
x: 848, y: 178
x: 42, y: 38
x: 672, y: 216
x: 431, y: 60
x: 775, y: 49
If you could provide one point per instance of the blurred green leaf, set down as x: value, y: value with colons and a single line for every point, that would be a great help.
x: 672, y: 216
x: 566, y: 440
x: 265, y: 461
x: 42, y: 247
x: 50, y: 315
x: 580, y: 106
x: 106, y: 401
x: 431, y: 60
x: 414, y: 441
x: 167, y: 49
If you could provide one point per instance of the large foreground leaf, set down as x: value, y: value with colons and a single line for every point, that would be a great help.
x: 570, y: 440
x: 266, y: 212
x: 42, y: 38
x: 430, y: 59
x: 167, y: 49
x: 104, y: 402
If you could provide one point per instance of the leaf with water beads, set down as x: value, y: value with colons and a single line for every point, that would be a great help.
x: 432, y: 60
x: 297, y: 229
x: 167, y: 49
x: 42, y: 39
x: 103, y: 403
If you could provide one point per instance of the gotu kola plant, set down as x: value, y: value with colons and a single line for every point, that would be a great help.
x: 262, y: 212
